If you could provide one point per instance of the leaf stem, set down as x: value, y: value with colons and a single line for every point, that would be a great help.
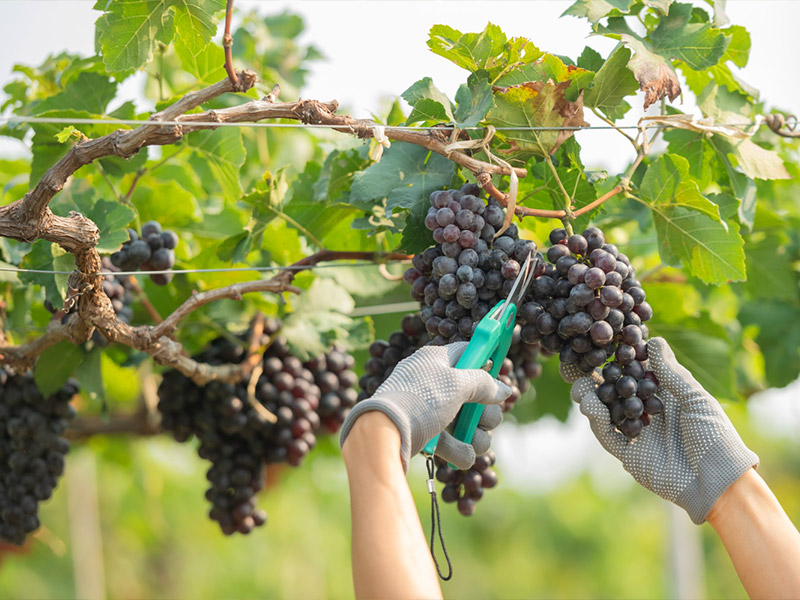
x: 297, y: 225
x: 107, y: 180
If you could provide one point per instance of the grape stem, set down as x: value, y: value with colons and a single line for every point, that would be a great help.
x: 142, y: 297
x: 227, y: 44
x: 485, y: 181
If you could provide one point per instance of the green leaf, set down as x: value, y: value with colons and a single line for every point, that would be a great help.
x: 756, y: 162
x: 778, y: 337
x: 590, y: 59
x: 488, y: 50
x: 430, y: 100
x: 90, y: 92
x: 55, y: 365
x: 689, y: 227
x: 707, y: 357
x: 416, y: 237
x: 319, y: 317
x: 778, y: 280
x: 473, y: 100
x: 549, y: 68
x: 67, y: 133
x: 613, y: 82
x: 738, y: 51
x: 594, y: 10
x: 428, y: 110
x: 90, y: 376
x: 128, y: 31
x: 217, y: 157
x: 40, y: 258
x: 471, y: 51
x: 418, y: 172
x: 207, y: 64
x: 699, y: 45
x: 168, y: 203
x: 111, y: 218
x: 196, y: 22
x: 534, y: 104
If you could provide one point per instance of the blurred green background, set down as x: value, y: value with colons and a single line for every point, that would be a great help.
x: 149, y: 536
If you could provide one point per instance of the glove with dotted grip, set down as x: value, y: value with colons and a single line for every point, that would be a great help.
x: 688, y: 455
x: 423, y: 395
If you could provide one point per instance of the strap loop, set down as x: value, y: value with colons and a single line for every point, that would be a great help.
x: 436, y: 520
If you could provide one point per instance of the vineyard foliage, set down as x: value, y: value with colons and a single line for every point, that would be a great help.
x: 710, y: 219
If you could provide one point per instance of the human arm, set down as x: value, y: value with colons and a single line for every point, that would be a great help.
x: 390, y: 554
x: 692, y: 455
x: 762, y: 542
x: 379, y: 437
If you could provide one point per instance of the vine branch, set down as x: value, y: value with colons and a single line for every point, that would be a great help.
x: 227, y: 43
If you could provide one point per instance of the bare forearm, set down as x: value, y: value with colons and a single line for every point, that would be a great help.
x: 762, y: 542
x: 390, y: 554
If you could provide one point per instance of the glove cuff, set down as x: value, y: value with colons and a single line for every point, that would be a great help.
x: 719, y: 468
x: 390, y: 403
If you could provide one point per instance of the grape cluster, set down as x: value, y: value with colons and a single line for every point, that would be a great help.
x: 520, y: 366
x: 31, y: 450
x: 466, y: 487
x: 384, y: 355
x: 589, y: 308
x: 468, y: 270
x: 236, y: 432
x: 153, y: 250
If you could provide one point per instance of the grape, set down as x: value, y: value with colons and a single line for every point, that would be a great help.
x: 647, y: 389
x: 554, y: 253
x: 631, y: 335
x: 611, y: 296
x: 625, y: 354
x: 631, y: 427
x: 601, y: 333
x: 31, y: 450
x: 577, y: 273
x: 595, y: 278
x: 626, y: 386
x: 653, y: 405
x: 633, y: 407
x: 577, y: 244
x: 150, y: 228
x: 237, y: 439
x: 607, y: 393
x: 558, y: 236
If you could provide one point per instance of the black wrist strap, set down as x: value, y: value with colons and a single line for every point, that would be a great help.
x: 436, y: 521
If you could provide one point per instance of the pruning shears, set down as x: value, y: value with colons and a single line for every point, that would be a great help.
x: 488, y: 349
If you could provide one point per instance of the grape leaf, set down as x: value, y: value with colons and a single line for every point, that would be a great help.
x: 416, y: 237
x: 738, y: 50
x: 89, y: 375
x: 708, y: 357
x: 688, y: 225
x: 473, y: 100
x: 55, y: 365
x: 534, y: 104
x: 488, y: 50
x: 612, y: 83
x: 41, y: 258
x: 168, y: 203
x: 656, y: 77
x: 90, y: 92
x: 594, y: 10
x: 319, y: 316
x: 419, y: 172
x: 778, y: 337
x: 590, y: 59
x: 217, y: 157
x: 427, y: 99
x: 111, y: 217
x: 128, y: 30
x: 699, y: 45
x: 427, y: 109
x: 207, y: 64
x: 196, y: 22
x: 779, y: 281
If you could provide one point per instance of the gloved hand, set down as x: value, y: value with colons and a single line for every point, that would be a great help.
x: 688, y: 455
x: 423, y: 395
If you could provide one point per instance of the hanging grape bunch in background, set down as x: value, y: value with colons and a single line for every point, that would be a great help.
x: 245, y: 426
x: 151, y: 250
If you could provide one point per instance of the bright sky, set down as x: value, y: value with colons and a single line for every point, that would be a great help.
x: 377, y: 49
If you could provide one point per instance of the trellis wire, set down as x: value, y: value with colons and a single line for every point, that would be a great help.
x: 83, y: 121
x: 217, y: 270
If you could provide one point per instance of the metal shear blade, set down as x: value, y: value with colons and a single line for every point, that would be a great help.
x: 521, y: 284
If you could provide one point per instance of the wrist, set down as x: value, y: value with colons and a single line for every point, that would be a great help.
x: 373, y: 438
x: 747, y: 487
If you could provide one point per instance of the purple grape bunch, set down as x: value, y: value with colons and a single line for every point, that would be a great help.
x: 151, y: 250
x: 590, y: 309
x: 467, y: 271
x: 239, y: 439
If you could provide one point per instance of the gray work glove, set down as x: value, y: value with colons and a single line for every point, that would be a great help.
x: 423, y: 395
x: 688, y: 455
